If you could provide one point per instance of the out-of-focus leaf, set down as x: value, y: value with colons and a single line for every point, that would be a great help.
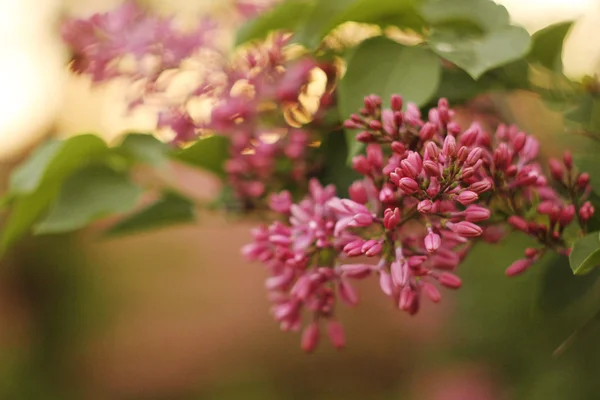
x: 590, y: 163
x: 585, y: 255
x: 145, y: 148
x: 327, y: 14
x: 474, y: 34
x: 170, y: 210
x: 559, y: 288
x: 384, y: 67
x: 336, y: 170
x: 209, y: 153
x: 90, y: 193
x: 285, y: 16
x: 547, y: 45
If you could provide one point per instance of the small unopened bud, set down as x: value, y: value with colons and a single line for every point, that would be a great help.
x: 556, y: 169
x: 361, y: 165
x: 583, y: 180
x: 358, y: 192
x: 465, y: 228
x: 566, y: 215
x: 450, y: 280
x: 365, y: 137
x: 425, y: 206
x: 586, y: 212
x: 474, y: 156
x: 432, y: 292
x: 336, y: 334
x: 568, y: 159
x: 396, y: 102
x: 310, y: 337
x: 408, y: 185
x: 432, y: 242
x: 481, y: 186
x: 518, y: 223
x: 518, y: 267
x: 467, y: 197
x: 375, y: 125
x: 475, y: 213
x: 398, y: 148
x: 427, y: 131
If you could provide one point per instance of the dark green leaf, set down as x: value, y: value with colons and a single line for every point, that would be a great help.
x: 170, y: 210
x: 585, y: 255
x: 336, y: 170
x: 465, y: 15
x: 328, y: 14
x: 91, y: 193
x: 286, y: 16
x: 547, y: 45
x: 145, y: 148
x: 384, y: 67
x: 559, y: 288
x: 209, y: 153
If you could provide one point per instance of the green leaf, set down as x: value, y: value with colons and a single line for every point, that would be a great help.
x: 54, y: 160
x: 589, y: 163
x: 170, y: 210
x: 285, y: 16
x: 328, y: 14
x: 209, y: 153
x: 559, y: 288
x: 91, y: 193
x: 585, y: 255
x: 385, y: 67
x: 336, y: 170
x: 476, y: 35
x: 547, y: 45
x: 145, y: 148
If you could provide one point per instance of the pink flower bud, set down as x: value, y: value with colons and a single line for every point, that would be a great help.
x: 357, y: 271
x: 358, y: 192
x: 586, y: 212
x: 546, y: 207
x: 475, y: 213
x: 462, y: 154
x: 372, y: 247
x: 518, y: 223
x: 432, y: 152
x: 469, y: 137
x: 427, y: 131
x: 408, y: 185
x: 389, y: 123
x: 391, y: 218
x: 365, y: 137
x: 467, y: 197
x: 449, y: 280
x: 518, y: 141
x: 397, y: 270
x: 465, y: 228
x: 335, y: 331
x: 281, y: 202
x: 432, y: 292
x: 409, y: 169
x: 347, y: 293
x: 396, y: 102
x: 398, y: 148
x: 530, y: 252
x: 310, y: 337
x: 481, y: 186
x: 412, y: 116
x: 372, y: 101
x: 434, y: 187
x: 502, y: 156
x: 449, y: 148
x: 385, y: 283
x: 432, y: 242
x: 361, y: 220
x: 425, y: 206
x: 583, y: 180
x: 387, y: 194
x: 361, y: 165
x: 474, y: 156
x: 556, y: 169
x: 431, y: 168
x: 568, y: 159
x: 453, y: 128
x: 375, y: 155
x: 349, y: 124
x: 407, y: 298
x: 518, y: 267
x: 354, y: 248
x: 375, y: 125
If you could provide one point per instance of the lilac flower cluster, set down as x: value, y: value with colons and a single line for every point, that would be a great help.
x: 429, y: 189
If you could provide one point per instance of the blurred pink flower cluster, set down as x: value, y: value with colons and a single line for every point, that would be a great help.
x: 429, y: 189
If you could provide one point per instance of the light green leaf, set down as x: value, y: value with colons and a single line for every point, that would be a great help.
x: 585, y: 255
x: 91, y: 193
x: 384, y: 67
x: 145, y: 148
x: 209, y: 153
x: 285, y: 16
x: 170, y: 210
x: 479, y: 15
x: 547, y: 45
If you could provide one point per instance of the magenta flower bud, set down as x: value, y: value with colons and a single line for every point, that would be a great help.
x: 434, y: 187
x: 349, y: 124
x: 388, y: 122
x: 415, y: 261
x: 375, y: 125
x: 425, y: 206
x: 409, y: 169
x: 310, y: 337
x: 467, y: 197
x: 372, y: 102
x: 481, y: 186
x: 281, y: 202
x: 335, y: 331
x: 385, y: 283
x: 412, y: 116
x: 586, y: 212
x: 391, y: 218
x: 280, y: 240
x: 556, y: 169
x: 407, y: 298
x: 361, y: 220
x: 518, y: 267
x: 432, y: 242
x: 357, y: 271
x: 465, y: 228
x: 361, y: 165
x: 475, y: 213
x: 432, y: 152
x: 432, y: 292
x: 396, y: 102
x: 462, y: 154
x: 583, y: 180
x: 545, y: 207
x: 568, y: 159
x: 354, y: 248
x: 518, y: 141
x: 450, y: 280
x: 518, y: 223
x: 431, y: 168
x: 397, y: 271
x: 357, y: 118
x: 469, y: 137
x: 372, y: 247
x: 387, y: 195
x: 530, y: 252
x: 502, y: 156
x: 375, y: 155
x: 358, y: 192
x: 347, y: 293
x: 474, y: 156
x: 427, y: 131
x: 449, y: 148
x: 398, y: 148
x: 408, y: 185
x: 467, y: 173
x: 453, y: 128
x: 365, y: 137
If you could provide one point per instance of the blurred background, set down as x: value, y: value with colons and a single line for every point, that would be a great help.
x: 177, y: 314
